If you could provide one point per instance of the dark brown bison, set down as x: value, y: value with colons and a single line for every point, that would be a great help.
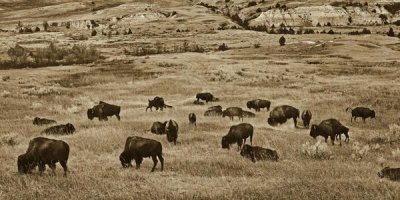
x: 281, y: 114
x: 255, y: 153
x: 248, y: 114
x: 212, y: 113
x: 218, y: 107
x: 137, y: 148
x: 104, y: 110
x: 390, y: 173
x: 306, y: 116
x: 232, y: 112
x: 195, y: 102
x: 192, y: 119
x: 43, y: 121
x: 238, y: 134
x: 158, y: 103
x: 330, y: 128
x: 171, y: 129
x: 62, y: 129
x: 158, y: 128
x: 258, y: 104
x: 206, y: 96
x: 361, y: 112
x: 43, y: 151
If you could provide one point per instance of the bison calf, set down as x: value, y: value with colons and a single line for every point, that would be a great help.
x: 62, y: 129
x: 43, y: 121
x: 171, y: 129
x: 137, y: 148
x: 104, y: 110
x: 390, y: 173
x: 330, y: 128
x: 238, y: 134
x: 256, y: 153
x: 158, y: 128
x: 306, y: 116
x: 192, y: 119
x: 41, y: 152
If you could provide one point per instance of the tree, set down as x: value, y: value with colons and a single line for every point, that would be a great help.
x: 282, y: 41
x: 45, y: 25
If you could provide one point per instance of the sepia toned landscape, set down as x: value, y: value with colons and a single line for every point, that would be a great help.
x: 60, y: 58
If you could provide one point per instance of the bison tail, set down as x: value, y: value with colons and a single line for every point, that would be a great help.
x: 167, y: 106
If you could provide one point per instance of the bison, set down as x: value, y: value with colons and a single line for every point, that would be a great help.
x: 256, y: 153
x: 62, y: 129
x: 195, y: 102
x: 192, y: 119
x: 158, y: 128
x: 258, y: 104
x: 248, y: 114
x: 390, y: 173
x: 210, y: 113
x: 41, y: 152
x: 281, y: 114
x: 171, y: 129
x: 104, y: 110
x: 43, y: 121
x: 238, y: 134
x: 206, y: 96
x: 306, y: 116
x: 137, y: 148
x: 158, y: 103
x: 361, y: 112
x: 233, y: 111
x: 218, y: 107
x: 330, y: 128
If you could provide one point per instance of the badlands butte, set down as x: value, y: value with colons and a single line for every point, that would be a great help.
x: 59, y: 58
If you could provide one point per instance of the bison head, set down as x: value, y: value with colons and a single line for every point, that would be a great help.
x: 25, y: 165
x: 125, y: 160
x: 372, y: 114
x: 225, y: 142
x: 90, y: 114
x: 249, y: 105
x: 272, y: 122
x: 382, y: 173
x: 314, y: 131
x: 70, y: 128
x: 274, y: 156
x: 36, y: 120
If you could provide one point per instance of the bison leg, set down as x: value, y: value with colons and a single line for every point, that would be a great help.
x: 138, y: 162
x: 52, y: 166
x: 175, y: 141
x: 118, y: 117
x: 295, y: 122
x: 42, y: 167
x: 333, y: 140
x: 65, y: 167
x: 240, y: 143
x: 154, y: 163
x: 363, y: 120
x: 162, y: 161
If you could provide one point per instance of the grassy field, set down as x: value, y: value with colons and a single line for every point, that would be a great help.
x: 322, y: 73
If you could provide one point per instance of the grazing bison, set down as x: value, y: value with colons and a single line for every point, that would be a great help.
x: 43, y: 151
x: 104, y: 110
x: 330, y: 128
x: 233, y: 111
x: 158, y: 103
x: 258, y: 104
x: 137, y: 148
x: 218, y: 107
x: 211, y: 113
x: 43, y: 121
x: 206, y: 96
x: 238, y: 134
x: 390, y: 173
x: 306, y: 116
x: 192, y: 119
x: 171, y: 129
x: 256, y: 153
x: 158, y: 128
x: 195, y: 102
x: 248, y: 114
x: 62, y: 129
x: 361, y: 112
x: 281, y: 114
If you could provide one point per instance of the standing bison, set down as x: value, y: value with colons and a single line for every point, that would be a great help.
x: 281, y: 114
x: 158, y: 103
x: 206, y: 96
x: 171, y: 129
x: 62, y: 129
x: 255, y: 153
x: 43, y: 121
x: 390, y: 173
x: 330, y: 128
x: 232, y: 112
x: 238, y: 134
x: 258, y: 104
x: 248, y: 114
x: 41, y: 152
x: 192, y: 119
x: 104, y: 110
x: 137, y: 148
x: 306, y: 116
x: 361, y: 112
x: 158, y: 128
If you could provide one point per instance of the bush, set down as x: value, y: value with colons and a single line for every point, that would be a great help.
x: 319, y: 150
x: 359, y: 151
x: 18, y: 55
x: 223, y: 47
x: 282, y: 41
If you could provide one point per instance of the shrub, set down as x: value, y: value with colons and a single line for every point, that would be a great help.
x: 54, y: 24
x: 252, y: 3
x: 5, y: 93
x: 41, y: 91
x: 319, y: 150
x: 223, y: 47
x: 82, y: 54
x: 282, y: 41
x: 359, y: 151
x: 18, y: 55
x: 393, y: 135
x: 396, y: 153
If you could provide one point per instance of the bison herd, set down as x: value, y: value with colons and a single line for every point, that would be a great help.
x: 43, y: 151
